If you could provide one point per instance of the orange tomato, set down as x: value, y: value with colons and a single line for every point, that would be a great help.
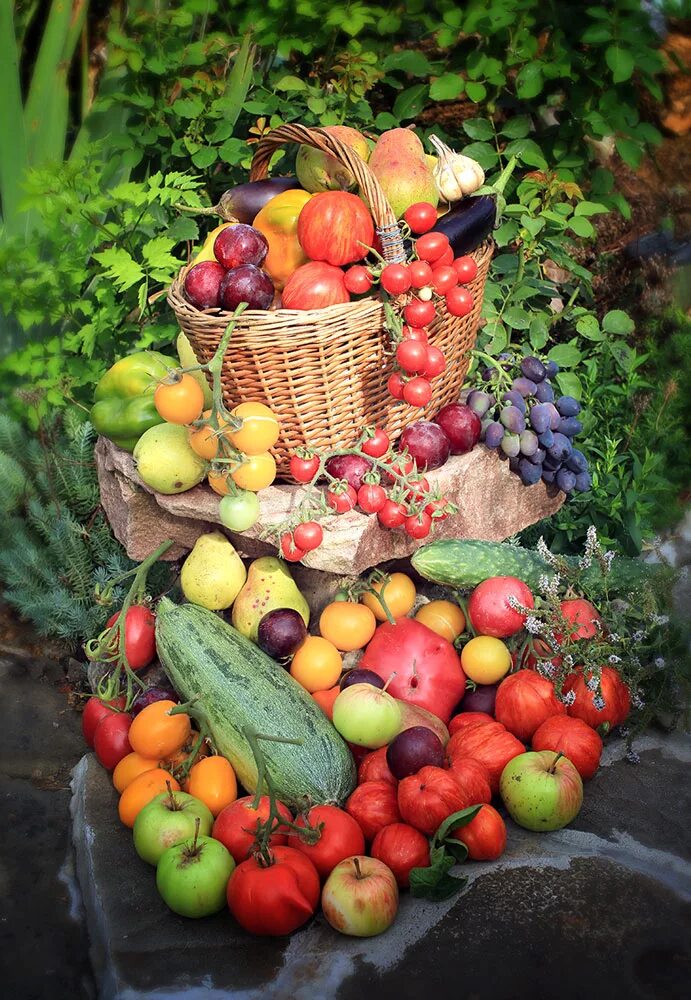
x: 182, y: 755
x: 317, y: 664
x: 443, y: 617
x: 326, y: 699
x: 218, y: 481
x: 348, y: 626
x: 141, y: 791
x: 259, y: 430
x: 131, y: 767
x: 256, y: 472
x: 204, y: 441
x: 399, y: 593
x: 213, y: 782
x: 179, y: 402
x: 155, y: 733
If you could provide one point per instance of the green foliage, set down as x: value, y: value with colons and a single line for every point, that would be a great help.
x: 55, y: 544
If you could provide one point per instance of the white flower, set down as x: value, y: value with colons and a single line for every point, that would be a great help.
x: 638, y: 636
x: 533, y: 624
x: 592, y: 683
x: 632, y: 757
x: 545, y: 553
x: 547, y: 668
x: 637, y: 701
x: 599, y: 703
x: 614, y: 659
x: 568, y: 661
x: 660, y: 619
x: 569, y: 698
x: 660, y: 663
x: 608, y: 559
x: 614, y: 637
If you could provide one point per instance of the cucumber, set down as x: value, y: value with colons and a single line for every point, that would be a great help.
x: 239, y: 687
x: 464, y: 564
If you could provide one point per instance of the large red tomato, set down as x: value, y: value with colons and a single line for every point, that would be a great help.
x: 582, y: 615
x: 427, y: 667
x: 576, y: 740
x: 615, y: 695
x: 111, y: 739
x: 489, y: 610
x: 468, y: 720
x: 472, y: 777
x: 425, y: 799
x: 484, y: 836
x: 373, y: 804
x: 488, y: 742
x: 314, y: 286
x: 274, y: 899
x: 236, y: 825
x: 402, y: 848
x: 524, y: 701
x: 335, y: 226
x: 340, y: 838
x: 140, y: 641
x: 373, y: 767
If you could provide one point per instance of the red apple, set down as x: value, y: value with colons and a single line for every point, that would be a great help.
x: 574, y: 738
x: 541, y: 790
x: 484, y: 836
x: 524, y: 701
x: 360, y: 897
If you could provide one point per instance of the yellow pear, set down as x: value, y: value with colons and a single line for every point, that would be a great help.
x: 213, y: 573
x: 269, y: 585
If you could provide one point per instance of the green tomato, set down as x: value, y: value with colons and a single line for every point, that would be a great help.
x: 192, y: 877
x: 239, y: 511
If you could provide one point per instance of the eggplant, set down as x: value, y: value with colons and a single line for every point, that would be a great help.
x: 244, y: 202
x: 468, y: 224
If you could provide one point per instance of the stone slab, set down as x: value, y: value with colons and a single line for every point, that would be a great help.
x: 493, y: 505
x: 598, y: 910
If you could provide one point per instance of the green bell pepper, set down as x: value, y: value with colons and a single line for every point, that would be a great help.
x: 124, y: 398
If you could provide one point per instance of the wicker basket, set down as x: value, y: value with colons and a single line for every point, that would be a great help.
x: 323, y: 372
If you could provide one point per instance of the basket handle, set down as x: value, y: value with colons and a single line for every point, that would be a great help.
x: 388, y: 230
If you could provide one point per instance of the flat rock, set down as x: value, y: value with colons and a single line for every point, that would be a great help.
x: 493, y: 505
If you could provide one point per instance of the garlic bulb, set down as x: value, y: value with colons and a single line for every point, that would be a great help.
x: 456, y: 175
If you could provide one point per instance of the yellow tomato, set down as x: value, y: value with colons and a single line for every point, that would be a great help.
x: 179, y: 402
x: 348, y: 626
x: 256, y: 473
x: 259, y: 430
x: 486, y: 659
x: 443, y: 617
x: 213, y: 782
x: 398, y: 592
x: 218, y: 481
x: 317, y: 664
x: 204, y: 441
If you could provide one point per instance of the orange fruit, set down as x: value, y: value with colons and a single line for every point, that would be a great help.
x: 141, y: 791
x: 154, y: 733
x: 326, y: 699
x: 130, y: 767
x: 213, y: 782
x: 317, y: 664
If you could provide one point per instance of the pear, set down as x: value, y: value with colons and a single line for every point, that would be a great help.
x: 213, y: 573
x: 188, y: 359
x: 165, y: 461
x: 269, y: 585
x: 319, y: 171
x: 400, y: 165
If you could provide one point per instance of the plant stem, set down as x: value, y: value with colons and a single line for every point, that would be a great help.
x: 552, y: 769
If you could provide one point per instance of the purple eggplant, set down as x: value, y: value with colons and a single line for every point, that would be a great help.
x: 468, y: 224
x: 244, y: 202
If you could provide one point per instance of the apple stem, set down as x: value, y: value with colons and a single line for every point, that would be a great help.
x: 197, y: 821
x: 391, y: 677
x: 553, y: 768
x: 358, y: 872
x: 174, y: 807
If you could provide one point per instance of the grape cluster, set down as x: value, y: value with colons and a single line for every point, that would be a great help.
x: 531, y: 427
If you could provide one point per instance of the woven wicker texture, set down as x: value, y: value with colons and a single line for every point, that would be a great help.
x: 323, y: 372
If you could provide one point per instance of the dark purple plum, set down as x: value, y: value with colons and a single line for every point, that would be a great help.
x: 203, y: 283
x: 361, y: 677
x: 426, y: 443
x: 281, y: 632
x: 480, y: 699
x: 494, y: 434
x: 351, y: 468
x: 240, y: 244
x: 148, y: 696
x: 533, y: 369
x: 461, y: 426
x: 412, y: 749
x: 566, y: 480
x: 249, y: 284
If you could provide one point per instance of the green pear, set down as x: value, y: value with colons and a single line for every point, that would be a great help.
x: 400, y: 165
x: 213, y: 573
x: 165, y: 461
x: 188, y: 359
x: 269, y: 585
x: 319, y: 171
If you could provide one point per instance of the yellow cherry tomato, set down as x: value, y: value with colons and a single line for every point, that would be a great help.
x: 348, y: 626
x: 259, y: 430
x: 317, y: 664
x: 256, y: 473
x: 179, y: 402
x: 398, y: 592
x: 204, y: 441
x: 213, y: 782
x: 485, y: 659
x: 218, y: 481
x: 443, y: 617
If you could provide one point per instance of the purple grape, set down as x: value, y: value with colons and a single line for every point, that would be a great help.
x: 525, y: 386
x: 514, y: 398
x: 552, y: 368
x: 511, y: 445
x: 412, y: 749
x: 583, y: 482
x: 546, y: 439
x: 149, y: 695
x: 533, y: 369
x: 554, y: 416
x: 539, y: 456
x: 548, y: 475
x: 529, y: 473
x: 544, y: 392
x: 571, y: 426
x: 553, y: 464
x: 514, y: 462
x: 494, y: 434
x: 479, y: 402
x: 577, y: 461
x: 568, y: 406
x: 539, y: 418
x: 566, y: 480
x: 561, y: 449
x: 529, y: 444
x: 512, y: 418
x: 361, y: 676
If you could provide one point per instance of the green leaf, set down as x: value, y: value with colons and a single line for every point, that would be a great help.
x: 385, y: 120
x: 290, y: 83
x: 410, y: 102
x: 630, y: 152
x: 204, y: 157
x: 120, y: 267
x: 590, y: 208
x: 529, y: 81
x: 624, y: 355
x: 183, y: 228
x: 485, y: 154
x: 188, y: 107
x: 581, y: 227
x: 570, y: 384
x: 156, y: 253
x: 621, y: 63
x: 476, y: 91
x: 409, y: 61
x: 527, y: 151
x: 452, y: 822
x: 317, y: 105
x: 233, y: 150
x: 447, y: 87
x: 516, y: 128
x: 596, y: 34
x: 434, y: 882
x: 478, y: 128
x: 618, y: 322
x: 589, y: 327
x: 499, y: 338
x: 539, y: 332
x: 517, y: 318
x: 565, y: 355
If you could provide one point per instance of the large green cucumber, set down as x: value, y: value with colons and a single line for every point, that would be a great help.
x: 239, y: 687
x: 463, y: 563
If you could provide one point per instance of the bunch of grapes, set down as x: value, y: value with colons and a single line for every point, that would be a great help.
x: 524, y: 421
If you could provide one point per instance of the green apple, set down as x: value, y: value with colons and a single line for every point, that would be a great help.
x: 367, y: 716
x: 168, y: 820
x: 360, y: 896
x: 542, y: 790
x: 192, y: 877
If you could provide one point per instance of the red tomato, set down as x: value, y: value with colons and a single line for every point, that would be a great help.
x: 446, y: 259
x: 466, y: 269
x: 469, y: 720
x: 236, y: 825
x: 524, y: 701
x: 426, y: 799
x: 341, y: 837
x: 314, y: 286
x: 373, y: 804
x: 140, y: 642
x: 289, y: 550
x: 489, y: 609
x: 576, y: 740
x: 336, y: 227
x: 583, y: 615
x: 94, y: 711
x: 418, y: 488
x: 303, y: 470
x: 459, y: 301
x: 402, y: 848
x: 431, y: 246
x: 308, y: 535
x: 411, y: 355
x: 343, y: 500
x: 419, y: 313
x: 489, y: 742
x: 377, y: 444
x: 414, y: 333
x: 111, y: 740
x: 277, y: 899
x: 358, y: 280
x: 395, y: 279
x: 484, y: 836
x: 420, y: 273
x: 417, y: 392
x: 443, y: 278
x: 472, y: 777
x: 395, y: 385
x: 421, y: 216
x: 371, y: 498
x: 418, y: 525
x: 615, y: 694
x: 373, y: 767
x: 392, y: 514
